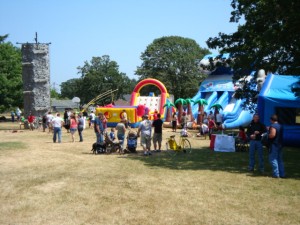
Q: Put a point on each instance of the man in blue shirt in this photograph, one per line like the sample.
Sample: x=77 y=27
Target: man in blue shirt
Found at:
x=275 y=154
x=98 y=127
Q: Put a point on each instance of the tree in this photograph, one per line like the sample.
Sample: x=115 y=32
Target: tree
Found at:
x=70 y=88
x=173 y=61
x=269 y=39
x=54 y=93
x=11 y=87
x=98 y=76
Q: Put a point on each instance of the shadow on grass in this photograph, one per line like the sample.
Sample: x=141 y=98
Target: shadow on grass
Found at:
x=12 y=145
x=205 y=159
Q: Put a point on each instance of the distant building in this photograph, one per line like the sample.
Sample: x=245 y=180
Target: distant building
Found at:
x=61 y=105
x=123 y=102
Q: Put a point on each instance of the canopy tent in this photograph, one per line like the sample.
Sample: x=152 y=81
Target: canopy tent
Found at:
x=280 y=95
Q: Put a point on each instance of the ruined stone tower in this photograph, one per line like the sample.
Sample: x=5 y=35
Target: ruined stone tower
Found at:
x=36 y=78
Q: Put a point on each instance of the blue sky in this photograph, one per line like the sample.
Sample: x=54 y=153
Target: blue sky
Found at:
x=122 y=29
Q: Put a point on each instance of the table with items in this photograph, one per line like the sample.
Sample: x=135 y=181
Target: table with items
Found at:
x=222 y=143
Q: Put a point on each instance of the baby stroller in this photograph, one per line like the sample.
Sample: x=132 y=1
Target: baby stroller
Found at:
x=131 y=142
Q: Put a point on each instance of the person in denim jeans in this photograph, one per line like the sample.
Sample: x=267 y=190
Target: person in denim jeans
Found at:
x=80 y=126
x=275 y=153
x=121 y=130
x=98 y=127
x=57 y=123
x=254 y=132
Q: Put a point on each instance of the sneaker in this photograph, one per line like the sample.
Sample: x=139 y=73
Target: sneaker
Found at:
x=149 y=153
x=145 y=154
x=250 y=170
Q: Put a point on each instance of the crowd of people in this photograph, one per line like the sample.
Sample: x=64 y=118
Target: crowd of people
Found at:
x=253 y=136
x=74 y=122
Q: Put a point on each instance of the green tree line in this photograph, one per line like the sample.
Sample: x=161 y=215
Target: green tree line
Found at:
x=269 y=39
x=11 y=87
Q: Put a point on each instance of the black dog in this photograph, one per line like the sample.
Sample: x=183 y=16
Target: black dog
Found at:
x=98 y=148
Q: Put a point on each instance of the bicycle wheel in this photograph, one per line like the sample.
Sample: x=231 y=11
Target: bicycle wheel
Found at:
x=187 y=148
x=170 y=151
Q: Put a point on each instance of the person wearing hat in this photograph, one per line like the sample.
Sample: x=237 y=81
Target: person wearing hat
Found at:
x=275 y=154
x=144 y=131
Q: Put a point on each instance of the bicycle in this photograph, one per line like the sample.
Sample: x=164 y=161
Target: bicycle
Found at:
x=172 y=147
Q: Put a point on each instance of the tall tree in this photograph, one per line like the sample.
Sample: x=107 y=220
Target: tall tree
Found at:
x=54 y=93
x=98 y=76
x=70 y=88
x=173 y=61
x=269 y=39
x=11 y=89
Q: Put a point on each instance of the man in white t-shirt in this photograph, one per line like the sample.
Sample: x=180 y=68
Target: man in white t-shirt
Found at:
x=219 y=119
x=57 y=123
x=92 y=118
x=145 y=129
x=203 y=130
x=49 y=120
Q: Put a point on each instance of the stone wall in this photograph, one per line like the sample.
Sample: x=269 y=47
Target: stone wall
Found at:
x=36 y=78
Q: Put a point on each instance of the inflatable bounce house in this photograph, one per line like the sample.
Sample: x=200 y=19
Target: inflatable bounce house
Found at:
x=218 y=88
x=278 y=94
x=139 y=105
x=281 y=95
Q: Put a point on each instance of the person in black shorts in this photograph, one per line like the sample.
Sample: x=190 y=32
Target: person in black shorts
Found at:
x=157 y=136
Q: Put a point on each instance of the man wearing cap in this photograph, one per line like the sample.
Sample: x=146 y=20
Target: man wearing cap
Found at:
x=145 y=129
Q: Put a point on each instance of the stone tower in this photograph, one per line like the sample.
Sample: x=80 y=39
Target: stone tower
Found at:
x=36 y=78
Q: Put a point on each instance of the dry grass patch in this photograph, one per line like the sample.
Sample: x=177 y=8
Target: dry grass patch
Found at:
x=46 y=183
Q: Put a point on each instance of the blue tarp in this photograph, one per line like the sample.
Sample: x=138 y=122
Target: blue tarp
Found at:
x=278 y=92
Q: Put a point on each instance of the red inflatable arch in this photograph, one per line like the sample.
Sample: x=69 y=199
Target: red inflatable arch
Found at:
x=150 y=81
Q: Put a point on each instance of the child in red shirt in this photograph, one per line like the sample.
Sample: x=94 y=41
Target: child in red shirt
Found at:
x=211 y=126
x=30 y=120
x=242 y=135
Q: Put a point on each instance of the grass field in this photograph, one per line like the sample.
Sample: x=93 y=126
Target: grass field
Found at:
x=46 y=183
